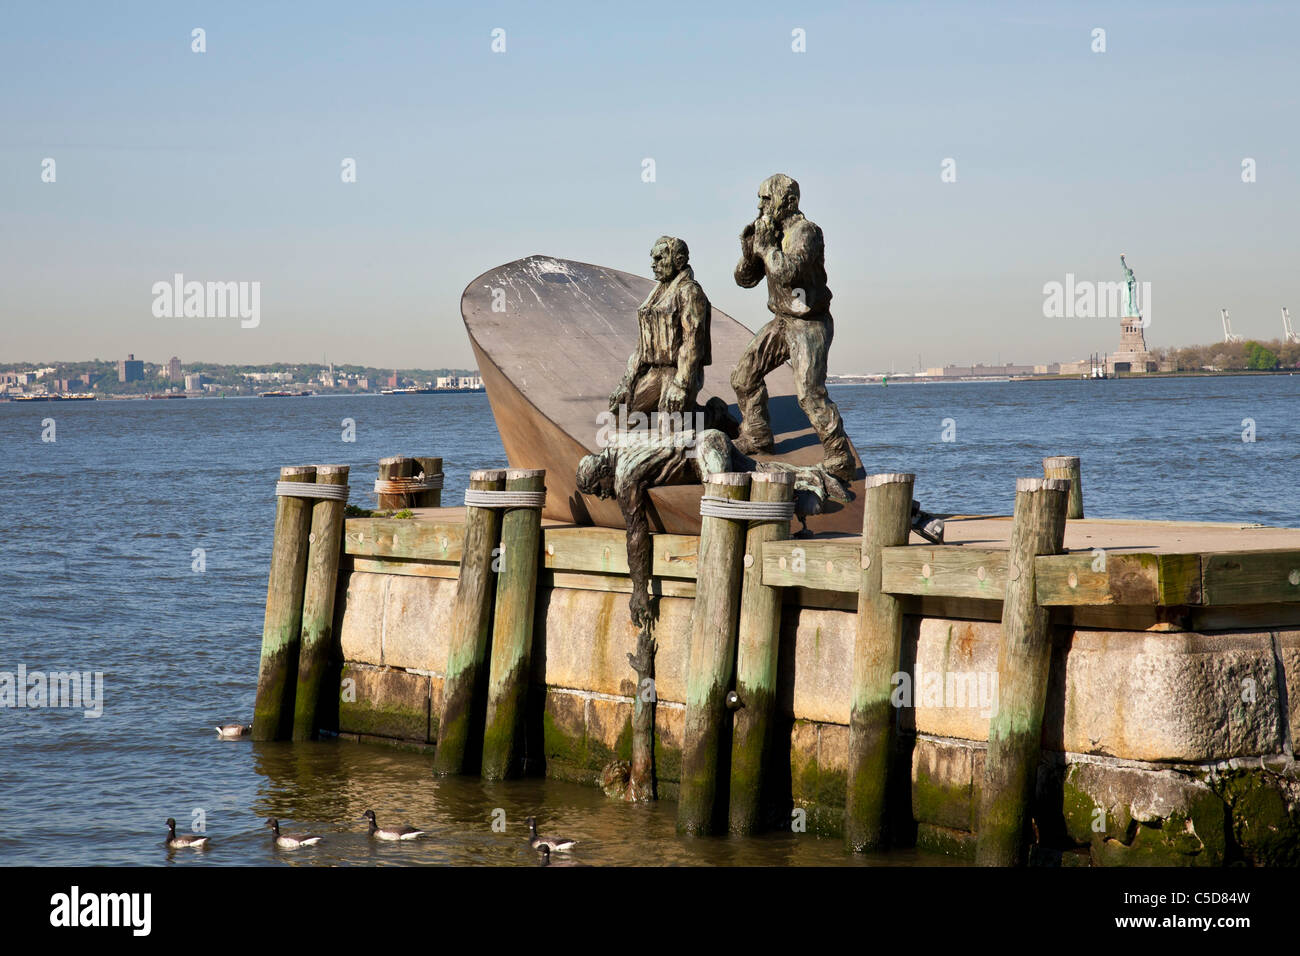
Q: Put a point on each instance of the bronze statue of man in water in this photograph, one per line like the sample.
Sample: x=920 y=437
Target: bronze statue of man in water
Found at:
x=787 y=248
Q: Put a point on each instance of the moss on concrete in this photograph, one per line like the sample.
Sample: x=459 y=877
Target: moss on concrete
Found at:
x=945 y=840
x=1265 y=831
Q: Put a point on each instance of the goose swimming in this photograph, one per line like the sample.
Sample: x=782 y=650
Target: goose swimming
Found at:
x=233 y=731
x=185 y=840
x=387 y=833
x=290 y=841
x=551 y=844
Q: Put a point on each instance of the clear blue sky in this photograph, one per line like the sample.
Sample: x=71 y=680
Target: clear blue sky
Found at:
x=225 y=165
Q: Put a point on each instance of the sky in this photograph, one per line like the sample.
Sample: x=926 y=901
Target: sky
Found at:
x=226 y=165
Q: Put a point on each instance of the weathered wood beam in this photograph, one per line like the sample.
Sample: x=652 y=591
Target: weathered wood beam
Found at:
x=604 y=550
x=1095 y=578
x=945 y=570
x=404 y=538
x=1250 y=577
x=830 y=565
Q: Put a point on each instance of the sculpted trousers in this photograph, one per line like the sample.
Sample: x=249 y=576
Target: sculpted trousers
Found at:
x=804 y=343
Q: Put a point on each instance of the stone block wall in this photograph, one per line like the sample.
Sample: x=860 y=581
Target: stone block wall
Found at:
x=1158 y=747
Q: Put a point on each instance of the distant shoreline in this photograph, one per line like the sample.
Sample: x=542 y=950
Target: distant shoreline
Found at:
x=1132 y=377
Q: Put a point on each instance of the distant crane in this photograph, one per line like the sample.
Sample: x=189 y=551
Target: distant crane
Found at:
x=1288 y=333
x=1228 y=335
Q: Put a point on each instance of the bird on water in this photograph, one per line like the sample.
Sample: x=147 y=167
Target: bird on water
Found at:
x=233 y=731
x=388 y=833
x=551 y=844
x=185 y=840
x=290 y=841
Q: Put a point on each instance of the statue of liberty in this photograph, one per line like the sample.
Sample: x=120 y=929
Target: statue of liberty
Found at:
x=1130 y=291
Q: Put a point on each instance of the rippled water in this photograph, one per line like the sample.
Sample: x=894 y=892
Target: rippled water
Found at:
x=98 y=530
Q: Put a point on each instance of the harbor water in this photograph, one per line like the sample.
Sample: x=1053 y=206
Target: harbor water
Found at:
x=136 y=545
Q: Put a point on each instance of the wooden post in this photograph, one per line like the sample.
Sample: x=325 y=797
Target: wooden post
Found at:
x=272 y=719
x=325 y=543
x=395 y=467
x=712 y=655
x=463 y=686
x=1024 y=655
x=430 y=467
x=756 y=656
x=886 y=522
x=1067 y=466
x=512 y=628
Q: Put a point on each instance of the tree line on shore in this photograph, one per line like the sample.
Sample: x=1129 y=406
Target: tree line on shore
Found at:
x=1249 y=355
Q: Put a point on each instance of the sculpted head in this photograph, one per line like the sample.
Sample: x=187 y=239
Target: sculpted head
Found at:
x=596 y=476
x=778 y=197
x=668 y=256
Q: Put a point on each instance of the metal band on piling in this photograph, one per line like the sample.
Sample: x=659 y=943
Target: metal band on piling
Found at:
x=715 y=507
x=408 y=486
x=505 y=499
x=302 y=489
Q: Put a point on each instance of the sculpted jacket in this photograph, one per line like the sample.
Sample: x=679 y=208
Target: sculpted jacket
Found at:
x=797 y=263
x=674 y=323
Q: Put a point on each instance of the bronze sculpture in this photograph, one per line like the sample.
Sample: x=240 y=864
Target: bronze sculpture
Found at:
x=788 y=249
x=666 y=371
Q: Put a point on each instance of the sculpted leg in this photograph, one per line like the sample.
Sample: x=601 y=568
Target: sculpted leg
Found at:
x=766 y=351
x=809 y=342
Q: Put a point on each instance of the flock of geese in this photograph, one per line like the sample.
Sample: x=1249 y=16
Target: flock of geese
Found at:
x=544 y=845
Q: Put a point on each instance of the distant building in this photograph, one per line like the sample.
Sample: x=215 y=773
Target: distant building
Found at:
x=174 y=370
x=979 y=371
x=363 y=383
x=194 y=382
x=392 y=380
x=129 y=369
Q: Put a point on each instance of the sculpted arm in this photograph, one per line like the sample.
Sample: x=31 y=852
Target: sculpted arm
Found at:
x=690 y=357
x=803 y=244
x=750 y=268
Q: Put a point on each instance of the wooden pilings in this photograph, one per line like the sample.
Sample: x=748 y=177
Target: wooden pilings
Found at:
x=325 y=543
x=1067 y=467
x=471 y=615
x=756 y=657
x=429 y=467
x=1024 y=656
x=273 y=710
x=512 y=628
x=712 y=655
x=886 y=522
x=389 y=468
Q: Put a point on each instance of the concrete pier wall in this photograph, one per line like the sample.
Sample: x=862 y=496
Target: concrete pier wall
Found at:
x=1159 y=747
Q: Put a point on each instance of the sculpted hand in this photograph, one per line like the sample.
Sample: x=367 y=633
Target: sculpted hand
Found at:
x=673 y=398
x=765 y=232
x=747 y=240
x=640 y=607
x=618 y=397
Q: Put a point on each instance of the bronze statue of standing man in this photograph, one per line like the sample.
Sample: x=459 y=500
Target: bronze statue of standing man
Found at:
x=788 y=249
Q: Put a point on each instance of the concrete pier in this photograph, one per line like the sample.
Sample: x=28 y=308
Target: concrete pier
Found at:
x=1172 y=706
